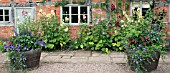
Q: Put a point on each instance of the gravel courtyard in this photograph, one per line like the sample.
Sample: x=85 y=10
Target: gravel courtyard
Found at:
x=91 y=68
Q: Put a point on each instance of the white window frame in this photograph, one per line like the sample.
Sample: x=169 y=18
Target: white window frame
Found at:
x=15 y=14
x=141 y=5
x=75 y=5
x=6 y=23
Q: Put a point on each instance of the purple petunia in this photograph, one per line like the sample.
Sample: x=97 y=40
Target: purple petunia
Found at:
x=12 y=47
x=18 y=48
x=42 y=43
x=139 y=46
x=6 y=47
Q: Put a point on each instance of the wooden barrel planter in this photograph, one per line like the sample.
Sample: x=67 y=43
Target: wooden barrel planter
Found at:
x=33 y=58
x=146 y=66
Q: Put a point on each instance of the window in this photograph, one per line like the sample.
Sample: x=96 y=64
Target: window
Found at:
x=5 y=15
x=19 y=17
x=75 y=14
x=143 y=5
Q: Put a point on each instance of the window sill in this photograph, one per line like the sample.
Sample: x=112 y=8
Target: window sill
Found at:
x=6 y=25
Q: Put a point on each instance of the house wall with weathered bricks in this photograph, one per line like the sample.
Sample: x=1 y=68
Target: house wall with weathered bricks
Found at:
x=7 y=31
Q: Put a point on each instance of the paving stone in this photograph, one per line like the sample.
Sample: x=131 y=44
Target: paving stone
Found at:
x=118 y=54
x=119 y=60
x=3 y=58
x=100 y=59
x=54 y=53
x=66 y=53
x=95 y=54
x=79 y=59
x=51 y=59
x=43 y=54
x=164 y=60
x=66 y=57
x=83 y=53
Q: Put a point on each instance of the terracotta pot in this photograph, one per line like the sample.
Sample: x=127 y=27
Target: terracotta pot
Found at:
x=33 y=58
x=146 y=66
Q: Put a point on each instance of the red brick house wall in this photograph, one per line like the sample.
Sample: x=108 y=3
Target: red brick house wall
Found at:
x=7 y=31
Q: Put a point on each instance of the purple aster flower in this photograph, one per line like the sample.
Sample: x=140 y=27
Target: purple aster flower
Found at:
x=6 y=47
x=18 y=48
x=140 y=59
x=139 y=46
x=42 y=43
x=12 y=47
x=25 y=48
x=156 y=49
x=133 y=49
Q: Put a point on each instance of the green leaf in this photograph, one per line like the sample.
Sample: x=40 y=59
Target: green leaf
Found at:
x=81 y=46
x=118 y=44
x=91 y=43
x=50 y=46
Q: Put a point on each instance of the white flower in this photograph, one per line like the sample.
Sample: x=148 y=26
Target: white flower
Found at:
x=66 y=29
x=29 y=14
x=138 y=9
x=40 y=10
x=84 y=16
x=48 y=15
x=18 y=17
x=124 y=12
x=122 y=21
x=124 y=25
x=62 y=24
x=102 y=18
x=66 y=19
x=52 y=12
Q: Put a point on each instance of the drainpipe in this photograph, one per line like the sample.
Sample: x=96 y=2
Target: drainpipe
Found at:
x=168 y=1
x=108 y=10
x=12 y=17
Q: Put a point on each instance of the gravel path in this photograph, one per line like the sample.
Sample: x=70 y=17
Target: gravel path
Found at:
x=92 y=68
x=88 y=68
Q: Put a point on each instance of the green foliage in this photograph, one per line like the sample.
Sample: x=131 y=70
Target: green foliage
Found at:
x=62 y=3
x=2 y=46
x=55 y=35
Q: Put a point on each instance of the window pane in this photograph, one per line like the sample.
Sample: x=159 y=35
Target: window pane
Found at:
x=6 y=18
x=144 y=10
x=66 y=18
x=6 y=12
x=74 y=18
x=65 y=10
x=83 y=18
x=1 y=18
x=1 y=12
x=83 y=10
x=74 y=10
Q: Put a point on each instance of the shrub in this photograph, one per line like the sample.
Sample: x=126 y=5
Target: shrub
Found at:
x=55 y=35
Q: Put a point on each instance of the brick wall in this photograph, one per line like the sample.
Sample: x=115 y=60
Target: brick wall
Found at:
x=6 y=31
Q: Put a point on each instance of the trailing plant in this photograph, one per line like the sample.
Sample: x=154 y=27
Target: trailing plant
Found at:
x=62 y=3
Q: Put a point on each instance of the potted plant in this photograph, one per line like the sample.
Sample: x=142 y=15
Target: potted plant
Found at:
x=144 y=40
x=24 y=49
